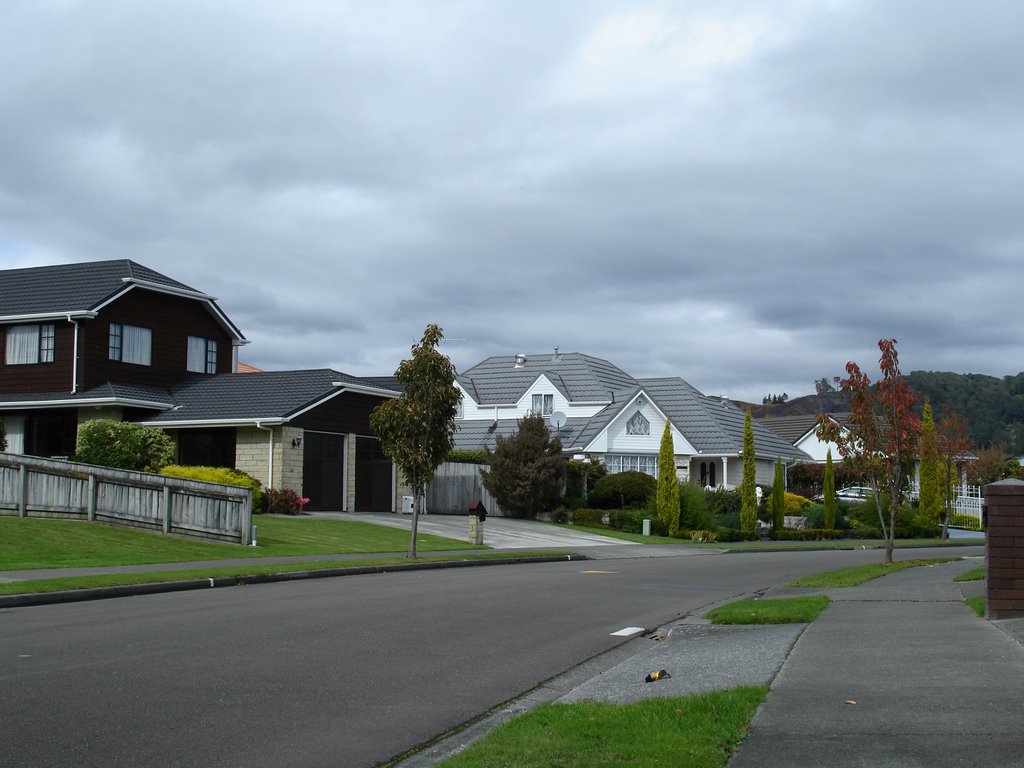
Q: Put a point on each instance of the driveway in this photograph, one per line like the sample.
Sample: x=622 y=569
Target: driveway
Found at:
x=499 y=532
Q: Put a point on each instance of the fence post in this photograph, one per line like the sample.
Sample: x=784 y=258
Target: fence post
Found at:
x=23 y=501
x=1004 y=549
x=167 y=509
x=93 y=489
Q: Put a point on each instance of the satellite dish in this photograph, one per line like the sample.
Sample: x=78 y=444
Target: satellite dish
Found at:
x=557 y=420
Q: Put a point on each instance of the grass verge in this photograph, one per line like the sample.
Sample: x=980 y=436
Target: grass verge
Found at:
x=851 y=577
x=63 y=583
x=30 y=543
x=786 y=610
x=692 y=731
x=978 y=604
x=975 y=574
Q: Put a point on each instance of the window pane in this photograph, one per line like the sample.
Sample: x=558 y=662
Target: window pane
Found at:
x=211 y=356
x=22 y=345
x=115 y=341
x=196 y=354
x=46 y=344
x=549 y=404
x=136 y=344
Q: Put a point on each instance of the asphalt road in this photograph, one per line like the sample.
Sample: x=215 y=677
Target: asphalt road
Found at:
x=333 y=672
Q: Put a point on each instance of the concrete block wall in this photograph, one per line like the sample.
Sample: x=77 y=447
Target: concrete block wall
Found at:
x=1004 y=549
x=252 y=454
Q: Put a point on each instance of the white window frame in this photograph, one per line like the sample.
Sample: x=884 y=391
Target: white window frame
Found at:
x=29 y=344
x=622 y=462
x=542 y=404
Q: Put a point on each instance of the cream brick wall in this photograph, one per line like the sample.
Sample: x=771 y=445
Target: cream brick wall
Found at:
x=291 y=460
x=350 y=472
x=252 y=454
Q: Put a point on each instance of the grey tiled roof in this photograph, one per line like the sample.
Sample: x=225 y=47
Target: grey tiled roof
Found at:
x=71 y=287
x=250 y=396
x=712 y=425
x=108 y=391
x=792 y=428
x=474 y=435
x=581 y=378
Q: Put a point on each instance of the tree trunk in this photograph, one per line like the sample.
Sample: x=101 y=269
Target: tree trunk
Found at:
x=416 y=501
x=890 y=536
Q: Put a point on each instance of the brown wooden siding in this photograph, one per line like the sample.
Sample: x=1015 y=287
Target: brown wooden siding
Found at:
x=348 y=412
x=172 y=319
x=41 y=377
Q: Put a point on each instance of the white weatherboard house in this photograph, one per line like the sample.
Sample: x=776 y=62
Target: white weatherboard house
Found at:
x=600 y=412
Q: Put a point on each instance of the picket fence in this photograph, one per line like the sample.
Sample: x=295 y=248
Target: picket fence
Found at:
x=967 y=501
x=34 y=487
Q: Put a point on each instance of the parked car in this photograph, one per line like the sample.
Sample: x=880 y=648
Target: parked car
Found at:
x=854 y=493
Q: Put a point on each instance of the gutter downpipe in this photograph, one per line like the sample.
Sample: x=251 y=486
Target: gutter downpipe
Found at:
x=74 y=359
x=270 y=454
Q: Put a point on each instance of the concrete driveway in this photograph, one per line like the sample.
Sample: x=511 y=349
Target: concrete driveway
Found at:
x=499 y=532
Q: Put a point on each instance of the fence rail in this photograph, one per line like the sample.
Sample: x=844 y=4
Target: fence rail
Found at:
x=33 y=487
x=454 y=485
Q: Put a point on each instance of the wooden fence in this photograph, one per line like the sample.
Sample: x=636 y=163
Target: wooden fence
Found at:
x=32 y=487
x=454 y=485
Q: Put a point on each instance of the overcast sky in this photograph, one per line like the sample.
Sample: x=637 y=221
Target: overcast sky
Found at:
x=744 y=194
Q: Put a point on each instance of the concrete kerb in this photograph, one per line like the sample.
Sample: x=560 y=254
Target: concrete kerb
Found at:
x=184 y=585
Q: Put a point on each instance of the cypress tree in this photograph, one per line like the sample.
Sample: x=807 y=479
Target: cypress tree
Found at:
x=930 y=490
x=778 y=498
x=829 y=492
x=668 y=483
x=748 y=492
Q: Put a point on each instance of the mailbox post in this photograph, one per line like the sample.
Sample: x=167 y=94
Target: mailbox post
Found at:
x=477 y=515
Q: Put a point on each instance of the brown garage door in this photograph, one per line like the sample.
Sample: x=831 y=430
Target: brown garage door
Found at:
x=373 y=477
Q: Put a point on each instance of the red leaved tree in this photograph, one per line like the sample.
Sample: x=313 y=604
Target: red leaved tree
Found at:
x=880 y=437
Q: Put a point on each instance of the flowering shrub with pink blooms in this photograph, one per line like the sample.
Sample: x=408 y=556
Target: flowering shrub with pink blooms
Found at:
x=284 y=501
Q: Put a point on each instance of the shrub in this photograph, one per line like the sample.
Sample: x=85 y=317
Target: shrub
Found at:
x=735 y=534
x=3 y=437
x=223 y=475
x=965 y=521
x=694 y=514
x=815 y=515
x=623 y=489
x=124 y=445
x=703 y=537
x=806 y=534
x=527 y=471
x=284 y=501
x=588 y=516
x=722 y=501
x=580 y=477
x=795 y=504
x=468 y=456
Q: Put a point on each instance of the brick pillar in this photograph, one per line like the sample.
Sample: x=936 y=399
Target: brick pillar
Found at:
x=476 y=530
x=1004 y=549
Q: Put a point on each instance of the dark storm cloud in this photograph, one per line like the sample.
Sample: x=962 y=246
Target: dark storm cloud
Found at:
x=747 y=194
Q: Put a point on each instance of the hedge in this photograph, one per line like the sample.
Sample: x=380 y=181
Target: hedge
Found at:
x=222 y=475
x=807 y=534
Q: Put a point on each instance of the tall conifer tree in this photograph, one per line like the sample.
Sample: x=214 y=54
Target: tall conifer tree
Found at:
x=748 y=487
x=668 y=483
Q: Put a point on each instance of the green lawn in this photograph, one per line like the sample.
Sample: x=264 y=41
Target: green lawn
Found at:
x=687 y=732
x=787 y=610
x=975 y=574
x=978 y=604
x=851 y=577
x=29 y=543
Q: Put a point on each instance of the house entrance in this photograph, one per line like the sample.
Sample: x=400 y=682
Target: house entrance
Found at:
x=323 y=471
x=373 y=477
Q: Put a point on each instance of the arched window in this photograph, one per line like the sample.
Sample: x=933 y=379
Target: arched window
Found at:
x=638 y=425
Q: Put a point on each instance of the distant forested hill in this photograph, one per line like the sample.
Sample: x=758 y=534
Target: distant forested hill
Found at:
x=993 y=407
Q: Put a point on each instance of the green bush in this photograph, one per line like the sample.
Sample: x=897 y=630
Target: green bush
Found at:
x=622 y=490
x=124 y=445
x=468 y=456
x=795 y=504
x=593 y=518
x=722 y=501
x=965 y=521
x=580 y=478
x=694 y=513
x=807 y=534
x=625 y=520
x=284 y=501
x=815 y=515
x=223 y=475
x=735 y=534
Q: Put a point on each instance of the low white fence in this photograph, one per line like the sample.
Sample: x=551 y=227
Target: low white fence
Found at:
x=32 y=487
x=967 y=501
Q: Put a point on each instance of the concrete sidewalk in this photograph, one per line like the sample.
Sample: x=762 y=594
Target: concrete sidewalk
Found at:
x=896 y=672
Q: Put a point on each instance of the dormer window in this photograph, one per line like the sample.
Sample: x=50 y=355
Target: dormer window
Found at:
x=130 y=344
x=542 y=405
x=459 y=409
x=202 y=355
x=638 y=425
x=29 y=344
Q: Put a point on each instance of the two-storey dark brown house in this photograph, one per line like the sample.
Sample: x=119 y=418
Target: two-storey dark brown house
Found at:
x=115 y=339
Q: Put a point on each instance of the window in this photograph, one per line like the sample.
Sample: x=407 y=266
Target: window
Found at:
x=638 y=425
x=29 y=344
x=130 y=344
x=620 y=463
x=459 y=410
x=202 y=355
x=542 y=405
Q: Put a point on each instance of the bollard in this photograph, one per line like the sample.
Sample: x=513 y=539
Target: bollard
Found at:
x=647 y=527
